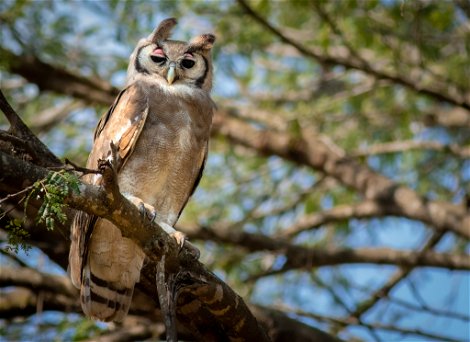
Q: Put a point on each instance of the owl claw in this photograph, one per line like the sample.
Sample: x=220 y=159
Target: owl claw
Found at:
x=146 y=210
x=182 y=241
x=180 y=238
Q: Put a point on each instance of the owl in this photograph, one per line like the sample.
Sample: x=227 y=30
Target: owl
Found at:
x=160 y=124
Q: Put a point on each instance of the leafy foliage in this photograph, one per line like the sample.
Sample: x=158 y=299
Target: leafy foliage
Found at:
x=53 y=190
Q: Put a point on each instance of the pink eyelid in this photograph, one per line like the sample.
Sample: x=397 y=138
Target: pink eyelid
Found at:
x=158 y=52
x=188 y=56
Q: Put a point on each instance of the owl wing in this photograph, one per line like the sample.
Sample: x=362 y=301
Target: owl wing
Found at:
x=122 y=124
x=201 y=165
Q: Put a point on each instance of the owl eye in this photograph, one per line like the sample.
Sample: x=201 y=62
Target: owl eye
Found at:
x=158 y=59
x=187 y=63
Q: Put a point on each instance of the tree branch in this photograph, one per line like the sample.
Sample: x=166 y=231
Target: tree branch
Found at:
x=36 y=281
x=305 y=257
x=441 y=94
x=48 y=77
x=314 y=152
x=409 y=145
x=374 y=325
x=364 y=209
x=209 y=290
x=22 y=302
x=396 y=278
x=43 y=156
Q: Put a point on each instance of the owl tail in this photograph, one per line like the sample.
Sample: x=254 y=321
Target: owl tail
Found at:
x=110 y=272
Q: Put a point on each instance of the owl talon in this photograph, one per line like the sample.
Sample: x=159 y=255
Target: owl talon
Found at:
x=148 y=212
x=180 y=238
x=182 y=241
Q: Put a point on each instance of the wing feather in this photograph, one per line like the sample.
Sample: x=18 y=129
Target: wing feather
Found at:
x=202 y=164
x=122 y=124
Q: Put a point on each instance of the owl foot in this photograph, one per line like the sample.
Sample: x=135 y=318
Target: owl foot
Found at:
x=180 y=238
x=147 y=211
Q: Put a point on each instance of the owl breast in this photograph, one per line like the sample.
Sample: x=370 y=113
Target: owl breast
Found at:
x=169 y=154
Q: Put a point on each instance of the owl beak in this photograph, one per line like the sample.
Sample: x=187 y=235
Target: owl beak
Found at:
x=170 y=76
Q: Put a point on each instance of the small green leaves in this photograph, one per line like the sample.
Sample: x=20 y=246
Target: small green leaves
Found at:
x=16 y=236
x=54 y=189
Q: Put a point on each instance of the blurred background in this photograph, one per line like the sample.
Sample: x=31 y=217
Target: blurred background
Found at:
x=337 y=187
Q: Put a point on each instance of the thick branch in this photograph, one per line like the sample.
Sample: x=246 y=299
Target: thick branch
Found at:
x=43 y=156
x=36 y=281
x=237 y=323
x=48 y=77
x=22 y=302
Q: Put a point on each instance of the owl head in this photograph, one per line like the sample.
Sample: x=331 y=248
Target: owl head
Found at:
x=172 y=62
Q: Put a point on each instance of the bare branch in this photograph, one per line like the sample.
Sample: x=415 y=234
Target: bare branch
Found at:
x=304 y=257
x=49 y=77
x=396 y=278
x=48 y=118
x=409 y=145
x=22 y=302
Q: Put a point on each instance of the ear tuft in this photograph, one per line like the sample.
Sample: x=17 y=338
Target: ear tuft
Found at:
x=202 y=42
x=163 y=31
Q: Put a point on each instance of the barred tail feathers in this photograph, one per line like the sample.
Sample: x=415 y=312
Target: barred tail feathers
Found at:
x=110 y=273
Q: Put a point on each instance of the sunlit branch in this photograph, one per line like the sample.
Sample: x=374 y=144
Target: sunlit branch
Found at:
x=22 y=302
x=366 y=209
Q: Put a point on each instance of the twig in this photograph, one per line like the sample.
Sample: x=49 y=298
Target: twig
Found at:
x=81 y=169
x=10 y=196
x=396 y=278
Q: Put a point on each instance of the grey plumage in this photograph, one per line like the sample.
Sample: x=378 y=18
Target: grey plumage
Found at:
x=161 y=124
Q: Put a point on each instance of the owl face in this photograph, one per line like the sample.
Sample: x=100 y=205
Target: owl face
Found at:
x=172 y=62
